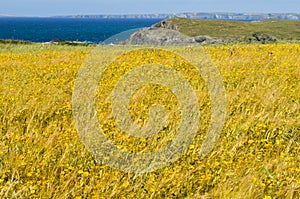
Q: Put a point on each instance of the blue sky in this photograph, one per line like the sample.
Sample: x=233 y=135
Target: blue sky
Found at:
x=70 y=7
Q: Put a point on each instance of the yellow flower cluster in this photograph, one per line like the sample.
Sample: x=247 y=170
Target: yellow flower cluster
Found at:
x=41 y=155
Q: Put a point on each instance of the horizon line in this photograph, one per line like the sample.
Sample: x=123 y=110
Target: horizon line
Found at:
x=133 y=14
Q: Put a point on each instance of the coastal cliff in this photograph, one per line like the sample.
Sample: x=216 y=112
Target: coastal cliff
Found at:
x=187 y=31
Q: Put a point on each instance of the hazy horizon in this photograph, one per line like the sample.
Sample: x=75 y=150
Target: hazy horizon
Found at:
x=47 y=8
x=95 y=14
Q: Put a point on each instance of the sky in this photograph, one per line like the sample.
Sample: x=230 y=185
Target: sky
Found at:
x=74 y=7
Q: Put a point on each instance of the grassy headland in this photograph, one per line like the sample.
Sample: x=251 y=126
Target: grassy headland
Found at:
x=281 y=29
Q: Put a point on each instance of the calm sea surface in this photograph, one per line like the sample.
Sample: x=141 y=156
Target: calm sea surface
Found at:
x=70 y=29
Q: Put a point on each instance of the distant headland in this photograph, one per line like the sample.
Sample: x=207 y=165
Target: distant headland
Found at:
x=198 y=15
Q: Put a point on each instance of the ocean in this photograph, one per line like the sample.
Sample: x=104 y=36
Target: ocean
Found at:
x=90 y=30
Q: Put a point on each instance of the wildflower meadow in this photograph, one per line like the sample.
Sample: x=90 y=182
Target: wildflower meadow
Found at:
x=256 y=156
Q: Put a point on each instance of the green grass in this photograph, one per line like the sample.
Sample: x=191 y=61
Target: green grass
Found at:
x=11 y=41
x=281 y=29
x=38 y=47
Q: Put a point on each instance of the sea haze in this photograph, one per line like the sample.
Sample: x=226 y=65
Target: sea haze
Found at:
x=93 y=30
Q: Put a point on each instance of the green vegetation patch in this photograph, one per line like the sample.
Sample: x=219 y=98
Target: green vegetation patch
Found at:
x=281 y=29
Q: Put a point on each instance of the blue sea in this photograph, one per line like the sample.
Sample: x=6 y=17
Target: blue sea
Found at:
x=91 y=30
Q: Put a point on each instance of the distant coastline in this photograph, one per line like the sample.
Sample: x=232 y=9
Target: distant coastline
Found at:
x=192 y=15
x=197 y=15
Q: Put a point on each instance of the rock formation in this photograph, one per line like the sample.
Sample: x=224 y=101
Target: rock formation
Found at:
x=160 y=36
x=261 y=37
x=166 y=25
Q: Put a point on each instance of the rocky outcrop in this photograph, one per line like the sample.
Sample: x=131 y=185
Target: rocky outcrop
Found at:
x=204 y=39
x=261 y=37
x=163 y=36
x=156 y=35
x=159 y=36
x=166 y=25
